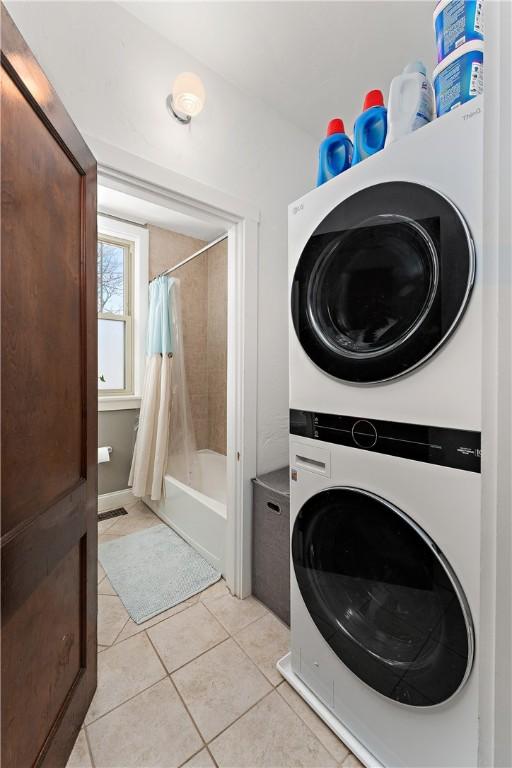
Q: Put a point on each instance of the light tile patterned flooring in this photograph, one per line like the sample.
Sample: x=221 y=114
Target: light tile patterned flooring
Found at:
x=196 y=686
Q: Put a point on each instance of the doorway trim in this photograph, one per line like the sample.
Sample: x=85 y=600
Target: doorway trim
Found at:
x=141 y=178
x=495 y=637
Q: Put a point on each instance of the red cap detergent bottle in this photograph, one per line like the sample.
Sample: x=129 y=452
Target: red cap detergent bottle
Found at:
x=335 y=153
x=370 y=127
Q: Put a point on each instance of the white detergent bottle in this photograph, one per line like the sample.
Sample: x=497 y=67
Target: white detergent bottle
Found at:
x=411 y=101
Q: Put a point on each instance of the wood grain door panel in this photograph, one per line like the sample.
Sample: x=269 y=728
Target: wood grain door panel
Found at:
x=49 y=416
x=42 y=653
x=41 y=314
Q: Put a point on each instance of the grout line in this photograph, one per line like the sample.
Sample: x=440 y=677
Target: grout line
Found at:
x=203 y=746
x=246 y=654
x=211 y=755
x=184 y=608
x=311 y=730
x=124 y=625
x=135 y=694
x=91 y=756
x=145 y=629
x=182 y=701
x=268 y=693
x=178 y=669
x=252 y=621
x=274 y=685
x=121 y=703
x=129 y=517
x=230 y=637
x=112 y=521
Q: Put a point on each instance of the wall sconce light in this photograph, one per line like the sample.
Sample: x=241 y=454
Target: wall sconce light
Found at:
x=187 y=97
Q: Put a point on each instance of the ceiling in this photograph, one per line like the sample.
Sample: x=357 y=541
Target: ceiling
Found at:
x=143 y=212
x=310 y=61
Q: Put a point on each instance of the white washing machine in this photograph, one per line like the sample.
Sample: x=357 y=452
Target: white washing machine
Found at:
x=385 y=587
x=385 y=397
x=384 y=271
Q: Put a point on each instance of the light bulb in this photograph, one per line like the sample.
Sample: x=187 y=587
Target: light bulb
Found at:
x=188 y=94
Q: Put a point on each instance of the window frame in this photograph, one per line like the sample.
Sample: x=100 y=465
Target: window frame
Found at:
x=126 y=316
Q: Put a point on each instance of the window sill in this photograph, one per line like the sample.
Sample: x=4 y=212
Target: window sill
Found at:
x=118 y=403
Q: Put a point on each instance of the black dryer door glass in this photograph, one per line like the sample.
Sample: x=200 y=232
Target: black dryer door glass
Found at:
x=383 y=596
x=382 y=282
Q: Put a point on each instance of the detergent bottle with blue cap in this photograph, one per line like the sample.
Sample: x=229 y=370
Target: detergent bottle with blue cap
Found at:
x=335 y=153
x=370 y=127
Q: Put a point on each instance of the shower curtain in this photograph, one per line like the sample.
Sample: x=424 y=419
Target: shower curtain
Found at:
x=165 y=426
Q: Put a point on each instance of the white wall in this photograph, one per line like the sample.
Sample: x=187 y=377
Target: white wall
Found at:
x=113 y=75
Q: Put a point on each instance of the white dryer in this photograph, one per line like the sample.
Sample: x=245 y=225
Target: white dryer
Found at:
x=385 y=398
x=384 y=273
x=385 y=541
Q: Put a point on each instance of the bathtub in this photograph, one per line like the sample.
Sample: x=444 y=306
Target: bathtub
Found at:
x=198 y=512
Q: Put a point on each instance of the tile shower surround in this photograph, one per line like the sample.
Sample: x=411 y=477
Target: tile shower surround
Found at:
x=204 y=305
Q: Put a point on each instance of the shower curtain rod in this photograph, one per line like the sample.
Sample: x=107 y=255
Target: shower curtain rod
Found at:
x=189 y=258
x=120 y=218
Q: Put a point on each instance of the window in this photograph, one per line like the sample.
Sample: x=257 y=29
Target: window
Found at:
x=115 y=368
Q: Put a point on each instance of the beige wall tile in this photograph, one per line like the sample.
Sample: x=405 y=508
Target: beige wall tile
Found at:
x=203 y=286
x=217 y=346
x=167 y=248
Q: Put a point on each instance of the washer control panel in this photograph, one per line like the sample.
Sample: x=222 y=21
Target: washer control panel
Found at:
x=457 y=448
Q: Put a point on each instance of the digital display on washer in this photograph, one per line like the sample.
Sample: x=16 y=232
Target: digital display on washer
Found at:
x=457 y=448
x=383 y=596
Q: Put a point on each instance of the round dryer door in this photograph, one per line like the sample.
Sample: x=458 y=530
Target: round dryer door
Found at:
x=383 y=596
x=382 y=282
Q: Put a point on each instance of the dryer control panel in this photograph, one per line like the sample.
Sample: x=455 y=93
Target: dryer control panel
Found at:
x=456 y=448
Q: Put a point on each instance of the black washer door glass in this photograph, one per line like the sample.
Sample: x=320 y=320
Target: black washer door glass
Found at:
x=382 y=292
x=382 y=282
x=383 y=596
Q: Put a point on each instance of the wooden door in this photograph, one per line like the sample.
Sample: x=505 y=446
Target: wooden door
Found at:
x=49 y=416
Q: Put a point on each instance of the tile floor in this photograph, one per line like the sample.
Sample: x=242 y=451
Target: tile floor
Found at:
x=196 y=686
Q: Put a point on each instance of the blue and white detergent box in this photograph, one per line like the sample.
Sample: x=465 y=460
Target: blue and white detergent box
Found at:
x=457 y=22
x=459 y=78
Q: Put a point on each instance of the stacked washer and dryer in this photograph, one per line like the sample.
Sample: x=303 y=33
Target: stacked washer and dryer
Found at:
x=385 y=418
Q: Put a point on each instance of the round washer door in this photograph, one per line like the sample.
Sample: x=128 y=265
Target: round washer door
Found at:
x=382 y=282
x=383 y=596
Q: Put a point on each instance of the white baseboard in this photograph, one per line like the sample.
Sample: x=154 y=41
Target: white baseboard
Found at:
x=108 y=501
